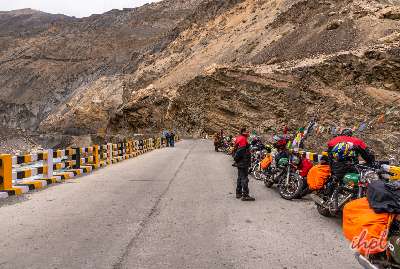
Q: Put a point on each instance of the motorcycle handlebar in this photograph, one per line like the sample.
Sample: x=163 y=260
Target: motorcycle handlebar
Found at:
x=380 y=163
x=374 y=165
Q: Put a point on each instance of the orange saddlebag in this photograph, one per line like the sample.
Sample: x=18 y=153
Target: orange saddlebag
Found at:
x=366 y=229
x=266 y=162
x=317 y=176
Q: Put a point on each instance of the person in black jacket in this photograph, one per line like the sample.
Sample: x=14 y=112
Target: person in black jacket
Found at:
x=242 y=159
x=168 y=138
x=172 y=139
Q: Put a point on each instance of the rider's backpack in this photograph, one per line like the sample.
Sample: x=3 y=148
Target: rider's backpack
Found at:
x=366 y=229
x=342 y=151
x=266 y=162
x=317 y=176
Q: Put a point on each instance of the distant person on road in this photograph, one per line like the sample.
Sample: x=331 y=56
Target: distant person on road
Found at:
x=167 y=138
x=242 y=157
x=172 y=139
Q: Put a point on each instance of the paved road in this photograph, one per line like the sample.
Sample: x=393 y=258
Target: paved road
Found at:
x=172 y=208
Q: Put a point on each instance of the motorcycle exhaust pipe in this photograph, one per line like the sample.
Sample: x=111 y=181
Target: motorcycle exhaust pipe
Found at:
x=317 y=199
x=364 y=262
x=336 y=206
x=345 y=200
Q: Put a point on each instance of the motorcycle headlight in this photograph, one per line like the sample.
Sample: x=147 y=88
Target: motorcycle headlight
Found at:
x=283 y=162
x=295 y=160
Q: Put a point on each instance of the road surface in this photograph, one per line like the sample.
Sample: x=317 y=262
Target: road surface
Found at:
x=171 y=208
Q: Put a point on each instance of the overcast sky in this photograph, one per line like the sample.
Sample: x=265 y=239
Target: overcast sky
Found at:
x=77 y=8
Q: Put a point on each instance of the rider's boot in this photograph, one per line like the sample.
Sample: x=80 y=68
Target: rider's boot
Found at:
x=248 y=198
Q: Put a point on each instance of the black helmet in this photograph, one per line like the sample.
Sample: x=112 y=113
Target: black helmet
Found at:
x=347 y=132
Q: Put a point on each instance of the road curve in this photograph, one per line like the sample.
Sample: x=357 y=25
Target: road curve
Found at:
x=171 y=208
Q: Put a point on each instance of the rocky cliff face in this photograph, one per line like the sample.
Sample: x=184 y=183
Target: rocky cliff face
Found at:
x=199 y=66
x=261 y=64
x=58 y=57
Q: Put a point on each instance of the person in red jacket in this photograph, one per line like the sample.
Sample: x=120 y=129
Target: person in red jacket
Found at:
x=343 y=152
x=242 y=157
x=358 y=145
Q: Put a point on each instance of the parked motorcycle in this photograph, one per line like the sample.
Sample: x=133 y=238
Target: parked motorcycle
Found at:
x=378 y=252
x=217 y=144
x=258 y=153
x=337 y=192
x=225 y=147
x=285 y=175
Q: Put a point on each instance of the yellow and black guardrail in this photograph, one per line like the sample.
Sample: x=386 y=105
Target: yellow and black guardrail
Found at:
x=19 y=174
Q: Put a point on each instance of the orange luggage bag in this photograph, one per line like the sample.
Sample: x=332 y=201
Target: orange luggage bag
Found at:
x=266 y=162
x=317 y=176
x=366 y=229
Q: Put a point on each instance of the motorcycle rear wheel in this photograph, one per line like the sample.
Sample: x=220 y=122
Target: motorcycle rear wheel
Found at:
x=294 y=189
x=257 y=173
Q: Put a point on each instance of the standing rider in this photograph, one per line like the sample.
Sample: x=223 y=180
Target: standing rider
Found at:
x=242 y=157
x=343 y=152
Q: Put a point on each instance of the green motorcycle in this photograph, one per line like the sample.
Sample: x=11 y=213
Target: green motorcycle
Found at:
x=285 y=176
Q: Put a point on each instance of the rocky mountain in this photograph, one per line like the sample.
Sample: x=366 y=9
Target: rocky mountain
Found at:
x=27 y=22
x=199 y=66
x=43 y=68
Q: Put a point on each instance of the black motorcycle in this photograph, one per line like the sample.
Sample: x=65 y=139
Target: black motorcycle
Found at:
x=336 y=192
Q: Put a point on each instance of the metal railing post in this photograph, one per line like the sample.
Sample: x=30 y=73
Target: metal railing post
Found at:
x=5 y=172
x=49 y=162
x=96 y=157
